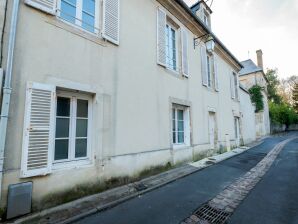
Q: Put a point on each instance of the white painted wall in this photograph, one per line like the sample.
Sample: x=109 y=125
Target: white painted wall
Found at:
x=247 y=121
x=133 y=96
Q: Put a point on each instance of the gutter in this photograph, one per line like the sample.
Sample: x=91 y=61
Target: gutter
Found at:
x=207 y=30
x=7 y=89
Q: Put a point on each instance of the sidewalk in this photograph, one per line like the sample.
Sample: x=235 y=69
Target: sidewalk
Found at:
x=77 y=209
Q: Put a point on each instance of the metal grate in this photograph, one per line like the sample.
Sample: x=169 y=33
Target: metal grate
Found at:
x=212 y=215
x=140 y=187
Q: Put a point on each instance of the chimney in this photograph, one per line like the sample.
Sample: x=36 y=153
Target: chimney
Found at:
x=260 y=58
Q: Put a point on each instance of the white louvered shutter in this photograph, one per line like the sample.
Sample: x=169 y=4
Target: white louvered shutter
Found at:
x=38 y=130
x=161 y=37
x=185 y=65
x=204 y=65
x=111 y=21
x=232 y=86
x=216 y=82
x=48 y=6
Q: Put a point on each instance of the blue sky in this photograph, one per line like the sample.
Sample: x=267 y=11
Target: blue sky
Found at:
x=245 y=26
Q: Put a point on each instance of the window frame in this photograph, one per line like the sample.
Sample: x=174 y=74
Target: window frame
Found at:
x=79 y=13
x=186 y=125
x=209 y=62
x=236 y=87
x=170 y=26
x=71 y=160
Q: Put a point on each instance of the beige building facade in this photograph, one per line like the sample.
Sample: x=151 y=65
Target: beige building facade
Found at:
x=108 y=90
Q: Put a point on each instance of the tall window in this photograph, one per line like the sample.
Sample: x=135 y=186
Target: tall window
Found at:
x=72 y=122
x=236 y=85
x=171 y=47
x=209 y=70
x=178 y=126
x=80 y=12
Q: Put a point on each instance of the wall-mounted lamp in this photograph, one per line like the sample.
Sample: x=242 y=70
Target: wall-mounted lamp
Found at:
x=208 y=40
x=210 y=44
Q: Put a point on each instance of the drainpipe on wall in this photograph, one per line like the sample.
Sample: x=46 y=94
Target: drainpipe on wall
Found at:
x=7 y=86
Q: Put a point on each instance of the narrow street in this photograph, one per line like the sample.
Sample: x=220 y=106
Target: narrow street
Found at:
x=273 y=200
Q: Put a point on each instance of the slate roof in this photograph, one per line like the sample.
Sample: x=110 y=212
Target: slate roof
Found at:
x=249 y=67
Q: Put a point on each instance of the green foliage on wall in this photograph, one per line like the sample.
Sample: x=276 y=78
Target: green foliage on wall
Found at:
x=257 y=97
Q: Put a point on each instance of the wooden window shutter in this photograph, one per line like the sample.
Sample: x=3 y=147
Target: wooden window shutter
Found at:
x=185 y=65
x=216 y=82
x=204 y=65
x=38 y=134
x=48 y=6
x=161 y=37
x=111 y=21
x=232 y=84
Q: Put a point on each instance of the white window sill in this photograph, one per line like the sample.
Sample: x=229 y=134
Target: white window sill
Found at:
x=67 y=26
x=180 y=146
x=75 y=164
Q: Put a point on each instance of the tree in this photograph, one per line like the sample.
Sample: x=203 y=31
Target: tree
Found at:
x=295 y=97
x=286 y=87
x=272 y=87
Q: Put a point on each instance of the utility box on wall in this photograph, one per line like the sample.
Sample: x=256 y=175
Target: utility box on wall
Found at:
x=19 y=199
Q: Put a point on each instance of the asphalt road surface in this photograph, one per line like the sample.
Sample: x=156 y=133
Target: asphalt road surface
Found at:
x=273 y=200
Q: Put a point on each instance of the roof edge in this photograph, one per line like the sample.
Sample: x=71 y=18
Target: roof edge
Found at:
x=206 y=29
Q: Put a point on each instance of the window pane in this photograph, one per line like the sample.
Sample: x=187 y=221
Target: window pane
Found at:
x=88 y=22
x=180 y=115
x=63 y=107
x=68 y=10
x=89 y=6
x=81 y=129
x=180 y=126
x=61 y=149
x=81 y=148
x=62 y=127
x=180 y=137
x=174 y=137
x=174 y=125
x=82 y=108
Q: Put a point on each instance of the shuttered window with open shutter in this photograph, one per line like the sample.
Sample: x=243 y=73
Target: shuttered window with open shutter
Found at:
x=111 y=20
x=161 y=37
x=38 y=130
x=216 y=82
x=204 y=66
x=185 y=65
x=48 y=6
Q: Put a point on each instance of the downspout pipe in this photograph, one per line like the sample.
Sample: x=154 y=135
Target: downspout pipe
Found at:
x=7 y=88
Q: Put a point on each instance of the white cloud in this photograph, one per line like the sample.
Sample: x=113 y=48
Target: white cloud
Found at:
x=248 y=25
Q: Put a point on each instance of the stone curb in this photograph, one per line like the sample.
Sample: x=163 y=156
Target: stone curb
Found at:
x=190 y=169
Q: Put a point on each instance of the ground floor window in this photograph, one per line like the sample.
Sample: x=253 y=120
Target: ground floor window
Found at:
x=236 y=127
x=73 y=122
x=180 y=125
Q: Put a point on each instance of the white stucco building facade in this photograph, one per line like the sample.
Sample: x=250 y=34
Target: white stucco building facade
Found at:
x=113 y=90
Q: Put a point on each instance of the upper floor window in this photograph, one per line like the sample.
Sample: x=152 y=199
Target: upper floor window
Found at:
x=82 y=13
x=171 y=47
x=209 y=71
x=206 y=19
x=234 y=86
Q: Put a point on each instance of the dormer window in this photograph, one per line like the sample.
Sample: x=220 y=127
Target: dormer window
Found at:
x=206 y=18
